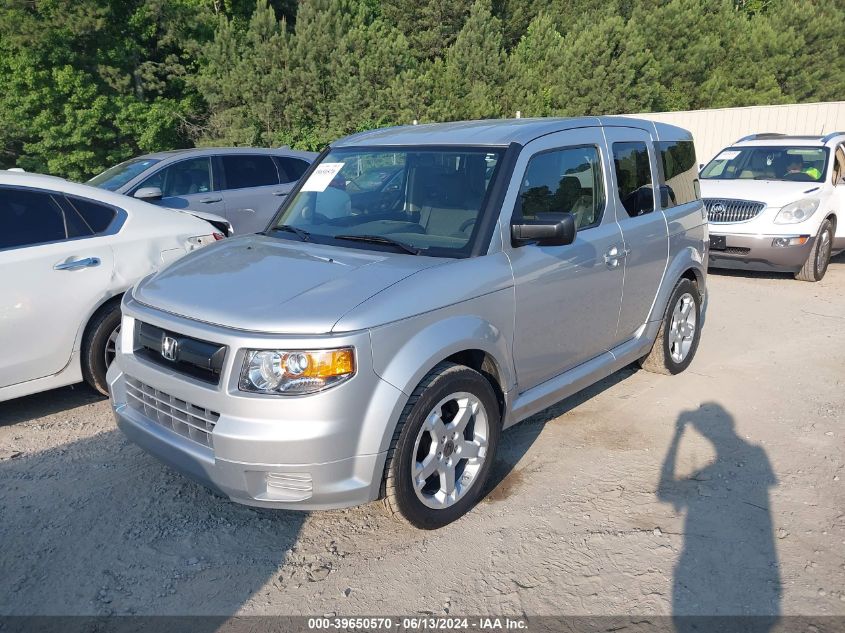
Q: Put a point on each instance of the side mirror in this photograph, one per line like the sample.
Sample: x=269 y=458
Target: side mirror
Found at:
x=700 y=167
x=550 y=229
x=148 y=193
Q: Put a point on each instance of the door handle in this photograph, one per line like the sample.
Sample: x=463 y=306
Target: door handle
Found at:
x=614 y=254
x=88 y=262
x=280 y=193
x=210 y=200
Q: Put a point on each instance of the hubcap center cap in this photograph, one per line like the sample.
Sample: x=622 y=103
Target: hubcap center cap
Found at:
x=448 y=448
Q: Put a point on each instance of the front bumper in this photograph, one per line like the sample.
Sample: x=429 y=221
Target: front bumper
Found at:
x=757 y=252
x=325 y=450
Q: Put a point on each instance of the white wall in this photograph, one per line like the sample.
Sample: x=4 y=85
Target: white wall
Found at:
x=716 y=129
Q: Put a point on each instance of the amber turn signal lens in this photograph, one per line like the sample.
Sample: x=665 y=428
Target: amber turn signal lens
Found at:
x=319 y=364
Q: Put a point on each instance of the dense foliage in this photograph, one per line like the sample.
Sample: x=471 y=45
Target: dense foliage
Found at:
x=87 y=83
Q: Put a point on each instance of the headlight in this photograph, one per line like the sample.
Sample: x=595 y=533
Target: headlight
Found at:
x=295 y=372
x=797 y=211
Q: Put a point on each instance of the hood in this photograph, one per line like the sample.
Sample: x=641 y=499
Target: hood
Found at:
x=273 y=285
x=773 y=193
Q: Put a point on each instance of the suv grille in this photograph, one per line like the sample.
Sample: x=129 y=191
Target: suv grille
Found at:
x=193 y=357
x=184 y=418
x=724 y=211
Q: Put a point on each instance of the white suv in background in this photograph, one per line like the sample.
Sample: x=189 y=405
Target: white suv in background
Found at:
x=777 y=202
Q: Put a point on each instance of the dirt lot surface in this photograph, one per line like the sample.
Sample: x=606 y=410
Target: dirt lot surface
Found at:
x=721 y=490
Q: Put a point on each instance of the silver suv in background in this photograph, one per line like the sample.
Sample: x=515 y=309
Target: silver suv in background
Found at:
x=246 y=185
x=378 y=349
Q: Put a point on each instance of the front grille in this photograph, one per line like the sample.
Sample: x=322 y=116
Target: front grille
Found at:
x=184 y=418
x=737 y=250
x=724 y=210
x=193 y=357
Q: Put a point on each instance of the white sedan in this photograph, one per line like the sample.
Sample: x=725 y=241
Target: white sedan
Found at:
x=68 y=252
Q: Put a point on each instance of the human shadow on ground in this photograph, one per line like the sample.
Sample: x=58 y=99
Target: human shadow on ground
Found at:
x=729 y=563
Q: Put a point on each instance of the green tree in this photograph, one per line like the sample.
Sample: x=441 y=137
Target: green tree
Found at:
x=533 y=70
x=429 y=25
x=466 y=83
x=93 y=82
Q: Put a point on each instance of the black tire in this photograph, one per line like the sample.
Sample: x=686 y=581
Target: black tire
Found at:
x=104 y=322
x=659 y=360
x=401 y=497
x=817 y=262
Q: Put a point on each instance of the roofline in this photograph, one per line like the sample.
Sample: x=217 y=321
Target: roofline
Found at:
x=763 y=136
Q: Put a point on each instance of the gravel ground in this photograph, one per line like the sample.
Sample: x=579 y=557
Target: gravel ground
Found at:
x=721 y=490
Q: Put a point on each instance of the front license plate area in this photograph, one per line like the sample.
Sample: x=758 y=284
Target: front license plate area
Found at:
x=717 y=243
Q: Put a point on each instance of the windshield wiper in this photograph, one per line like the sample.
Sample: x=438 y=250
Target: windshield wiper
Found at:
x=380 y=239
x=300 y=233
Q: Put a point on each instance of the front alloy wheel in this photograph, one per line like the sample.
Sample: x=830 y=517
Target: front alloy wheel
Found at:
x=450 y=450
x=443 y=447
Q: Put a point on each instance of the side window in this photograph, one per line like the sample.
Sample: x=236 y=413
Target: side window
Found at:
x=839 y=165
x=29 y=217
x=564 y=180
x=97 y=217
x=680 y=176
x=183 y=178
x=290 y=169
x=244 y=171
x=633 y=177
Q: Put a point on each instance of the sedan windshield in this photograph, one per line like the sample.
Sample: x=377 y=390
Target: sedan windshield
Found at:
x=799 y=164
x=115 y=177
x=410 y=200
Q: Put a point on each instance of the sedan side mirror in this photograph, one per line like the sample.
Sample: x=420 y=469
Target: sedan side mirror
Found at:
x=149 y=193
x=549 y=229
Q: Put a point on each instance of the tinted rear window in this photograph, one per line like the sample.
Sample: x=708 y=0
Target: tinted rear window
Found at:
x=244 y=171
x=633 y=177
x=680 y=175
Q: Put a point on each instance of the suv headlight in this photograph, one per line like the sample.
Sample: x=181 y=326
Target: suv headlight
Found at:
x=797 y=211
x=295 y=372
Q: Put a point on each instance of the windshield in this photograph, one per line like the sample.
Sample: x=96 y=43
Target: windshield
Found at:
x=115 y=177
x=799 y=164
x=420 y=200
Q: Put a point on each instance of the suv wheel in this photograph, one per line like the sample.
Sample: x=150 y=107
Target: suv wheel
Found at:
x=816 y=265
x=443 y=447
x=680 y=331
x=99 y=346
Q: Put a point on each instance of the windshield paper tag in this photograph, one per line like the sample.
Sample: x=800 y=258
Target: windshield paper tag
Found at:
x=728 y=155
x=322 y=176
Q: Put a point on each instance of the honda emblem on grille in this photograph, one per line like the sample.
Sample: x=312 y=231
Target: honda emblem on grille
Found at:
x=717 y=209
x=169 y=347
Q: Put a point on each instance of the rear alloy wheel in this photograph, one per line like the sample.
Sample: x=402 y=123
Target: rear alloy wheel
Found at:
x=443 y=447
x=679 y=334
x=817 y=262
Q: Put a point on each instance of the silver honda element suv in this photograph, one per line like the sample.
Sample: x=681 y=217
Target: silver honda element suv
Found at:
x=422 y=289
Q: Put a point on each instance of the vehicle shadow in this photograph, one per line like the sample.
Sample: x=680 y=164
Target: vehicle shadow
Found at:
x=47 y=403
x=516 y=440
x=729 y=563
x=166 y=546
x=836 y=260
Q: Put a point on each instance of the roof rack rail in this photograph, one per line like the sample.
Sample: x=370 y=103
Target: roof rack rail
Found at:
x=831 y=136
x=762 y=135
